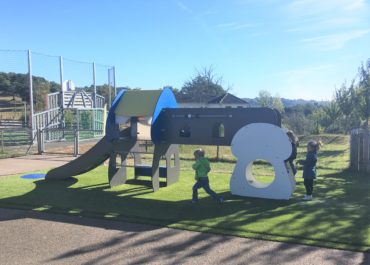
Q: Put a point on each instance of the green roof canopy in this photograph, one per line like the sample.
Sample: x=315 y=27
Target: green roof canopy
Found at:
x=136 y=103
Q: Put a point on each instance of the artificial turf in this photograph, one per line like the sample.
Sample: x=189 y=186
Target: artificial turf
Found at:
x=338 y=217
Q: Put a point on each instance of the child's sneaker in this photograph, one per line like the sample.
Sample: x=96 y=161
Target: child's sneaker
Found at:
x=307 y=197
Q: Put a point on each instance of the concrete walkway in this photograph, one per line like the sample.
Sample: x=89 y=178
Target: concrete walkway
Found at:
x=38 y=238
x=30 y=163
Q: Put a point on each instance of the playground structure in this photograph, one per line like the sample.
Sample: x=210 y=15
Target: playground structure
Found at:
x=68 y=115
x=252 y=133
x=50 y=125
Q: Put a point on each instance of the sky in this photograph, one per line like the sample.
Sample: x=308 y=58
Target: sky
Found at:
x=293 y=49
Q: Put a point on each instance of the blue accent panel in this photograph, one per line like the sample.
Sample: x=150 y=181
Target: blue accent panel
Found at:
x=166 y=100
x=111 y=128
x=33 y=176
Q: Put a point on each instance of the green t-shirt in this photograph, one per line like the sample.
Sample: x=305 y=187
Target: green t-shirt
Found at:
x=201 y=167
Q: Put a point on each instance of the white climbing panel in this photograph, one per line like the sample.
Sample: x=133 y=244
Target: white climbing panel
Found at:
x=261 y=141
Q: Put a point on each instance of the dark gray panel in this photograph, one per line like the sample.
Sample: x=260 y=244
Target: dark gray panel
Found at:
x=209 y=126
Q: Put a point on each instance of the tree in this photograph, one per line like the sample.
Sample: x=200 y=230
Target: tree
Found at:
x=319 y=119
x=333 y=113
x=345 y=98
x=354 y=101
x=201 y=88
x=265 y=99
x=363 y=93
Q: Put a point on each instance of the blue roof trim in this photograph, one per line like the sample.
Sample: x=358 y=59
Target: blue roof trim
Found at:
x=166 y=100
x=111 y=128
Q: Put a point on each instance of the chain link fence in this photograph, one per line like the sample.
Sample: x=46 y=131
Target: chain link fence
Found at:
x=26 y=80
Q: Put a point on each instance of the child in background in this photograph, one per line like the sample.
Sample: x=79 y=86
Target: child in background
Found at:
x=295 y=143
x=202 y=167
x=309 y=168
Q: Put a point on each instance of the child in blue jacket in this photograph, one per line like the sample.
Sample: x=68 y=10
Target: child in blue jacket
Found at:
x=309 y=168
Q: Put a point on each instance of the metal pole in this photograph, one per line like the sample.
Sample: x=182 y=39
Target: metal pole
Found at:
x=109 y=88
x=78 y=119
x=31 y=93
x=61 y=79
x=93 y=114
x=40 y=142
x=61 y=73
x=76 y=145
x=114 y=81
x=94 y=80
x=25 y=114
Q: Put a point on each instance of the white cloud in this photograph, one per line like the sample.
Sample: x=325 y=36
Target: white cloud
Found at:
x=207 y=13
x=327 y=25
x=184 y=7
x=334 y=41
x=234 y=26
x=326 y=15
x=317 y=8
x=310 y=82
x=299 y=73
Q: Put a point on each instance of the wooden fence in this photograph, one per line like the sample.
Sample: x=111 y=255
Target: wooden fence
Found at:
x=360 y=150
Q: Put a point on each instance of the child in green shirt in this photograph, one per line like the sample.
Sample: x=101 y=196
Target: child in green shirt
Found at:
x=202 y=167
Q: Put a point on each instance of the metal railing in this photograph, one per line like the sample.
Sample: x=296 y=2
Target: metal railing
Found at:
x=71 y=135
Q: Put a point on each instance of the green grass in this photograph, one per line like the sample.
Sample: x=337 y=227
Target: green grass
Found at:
x=338 y=217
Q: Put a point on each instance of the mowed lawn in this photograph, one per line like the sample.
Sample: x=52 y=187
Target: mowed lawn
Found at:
x=338 y=217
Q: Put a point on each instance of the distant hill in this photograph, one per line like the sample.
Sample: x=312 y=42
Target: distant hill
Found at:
x=288 y=102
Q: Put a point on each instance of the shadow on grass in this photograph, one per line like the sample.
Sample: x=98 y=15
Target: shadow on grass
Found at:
x=338 y=217
x=331 y=153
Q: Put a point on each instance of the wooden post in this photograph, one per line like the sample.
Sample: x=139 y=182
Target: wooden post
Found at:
x=366 y=163
x=361 y=152
x=357 y=152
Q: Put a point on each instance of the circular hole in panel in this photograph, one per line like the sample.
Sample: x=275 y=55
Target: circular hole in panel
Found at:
x=260 y=173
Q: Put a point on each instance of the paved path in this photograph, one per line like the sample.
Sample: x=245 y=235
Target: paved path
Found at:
x=58 y=154
x=30 y=163
x=38 y=238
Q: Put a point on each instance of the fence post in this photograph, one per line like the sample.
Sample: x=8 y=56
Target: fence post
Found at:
x=76 y=143
x=40 y=142
x=2 y=141
x=353 y=147
x=361 y=152
x=25 y=114
x=218 y=153
x=366 y=151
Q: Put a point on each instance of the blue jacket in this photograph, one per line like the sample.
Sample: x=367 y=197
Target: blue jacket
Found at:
x=309 y=168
